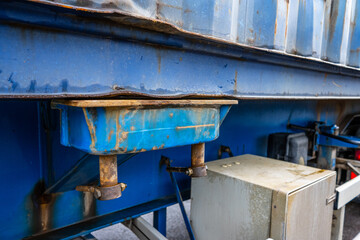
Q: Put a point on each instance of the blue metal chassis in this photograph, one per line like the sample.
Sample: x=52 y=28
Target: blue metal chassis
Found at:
x=48 y=53
x=30 y=157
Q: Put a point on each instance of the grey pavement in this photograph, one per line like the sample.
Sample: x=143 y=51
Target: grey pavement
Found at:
x=175 y=228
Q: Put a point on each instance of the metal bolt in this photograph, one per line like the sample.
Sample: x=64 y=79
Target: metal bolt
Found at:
x=189 y=172
x=123 y=186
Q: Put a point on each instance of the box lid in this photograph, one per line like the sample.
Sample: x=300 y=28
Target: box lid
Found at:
x=269 y=173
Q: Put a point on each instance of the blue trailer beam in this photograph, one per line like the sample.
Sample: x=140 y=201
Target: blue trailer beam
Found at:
x=93 y=224
x=48 y=50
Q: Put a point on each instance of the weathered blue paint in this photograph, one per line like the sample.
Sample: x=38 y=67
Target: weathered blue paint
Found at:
x=65 y=53
x=314 y=28
x=118 y=130
x=333 y=30
x=354 y=50
x=50 y=52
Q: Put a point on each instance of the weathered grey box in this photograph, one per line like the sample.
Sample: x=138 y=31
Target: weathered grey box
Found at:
x=251 y=197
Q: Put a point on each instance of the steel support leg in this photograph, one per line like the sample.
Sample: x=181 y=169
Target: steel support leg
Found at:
x=182 y=208
x=160 y=221
x=198 y=160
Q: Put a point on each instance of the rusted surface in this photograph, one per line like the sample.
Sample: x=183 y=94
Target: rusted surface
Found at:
x=108 y=170
x=104 y=193
x=198 y=155
x=198 y=160
x=109 y=187
x=89 y=205
x=42 y=209
x=91 y=128
x=111 y=192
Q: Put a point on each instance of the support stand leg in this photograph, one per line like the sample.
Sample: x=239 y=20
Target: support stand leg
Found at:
x=160 y=221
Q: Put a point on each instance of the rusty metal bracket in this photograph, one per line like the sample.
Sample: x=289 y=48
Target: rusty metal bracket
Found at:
x=109 y=187
x=104 y=193
x=187 y=171
x=190 y=171
x=224 y=149
x=198 y=160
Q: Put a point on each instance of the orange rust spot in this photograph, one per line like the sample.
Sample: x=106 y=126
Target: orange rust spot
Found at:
x=132 y=128
x=171 y=115
x=154 y=148
x=110 y=135
x=124 y=135
x=134 y=149
x=162 y=146
x=142 y=150
x=196 y=126
x=167 y=136
x=275 y=27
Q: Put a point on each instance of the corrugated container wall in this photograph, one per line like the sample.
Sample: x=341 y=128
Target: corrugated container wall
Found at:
x=322 y=29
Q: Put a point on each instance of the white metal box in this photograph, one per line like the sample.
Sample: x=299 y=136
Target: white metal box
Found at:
x=252 y=197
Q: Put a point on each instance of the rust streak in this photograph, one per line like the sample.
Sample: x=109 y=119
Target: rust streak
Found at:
x=91 y=128
x=196 y=126
x=110 y=135
x=169 y=6
x=337 y=85
x=334 y=12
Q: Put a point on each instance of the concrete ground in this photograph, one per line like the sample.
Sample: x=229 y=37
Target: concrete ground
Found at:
x=352 y=221
x=176 y=229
